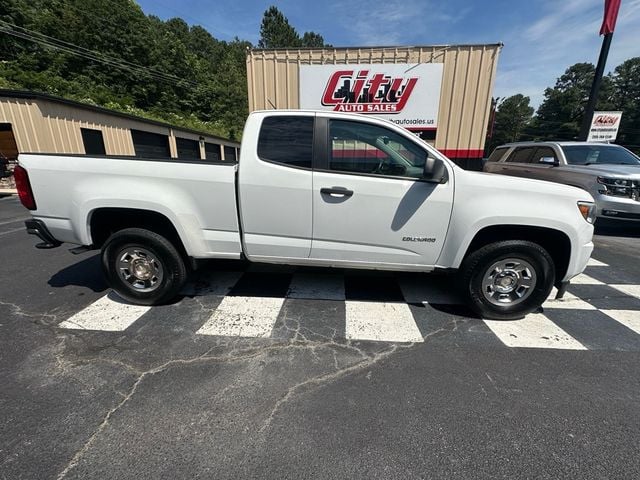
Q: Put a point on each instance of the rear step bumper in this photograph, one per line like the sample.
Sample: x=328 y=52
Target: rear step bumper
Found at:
x=38 y=228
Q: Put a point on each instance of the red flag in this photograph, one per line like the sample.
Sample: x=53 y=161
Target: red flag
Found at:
x=611 y=8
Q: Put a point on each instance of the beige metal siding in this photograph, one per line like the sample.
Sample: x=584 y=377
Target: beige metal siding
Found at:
x=46 y=126
x=465 y=96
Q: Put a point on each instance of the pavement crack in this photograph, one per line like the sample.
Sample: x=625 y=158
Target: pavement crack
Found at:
x=19 y=311
x=328 y=377
x=105 y=422
x=366 y=361
x=205 y=357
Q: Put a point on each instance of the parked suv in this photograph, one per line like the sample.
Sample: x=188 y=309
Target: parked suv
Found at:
x=610 y=173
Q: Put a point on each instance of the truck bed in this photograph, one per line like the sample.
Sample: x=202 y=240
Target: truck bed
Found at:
x=197 y=196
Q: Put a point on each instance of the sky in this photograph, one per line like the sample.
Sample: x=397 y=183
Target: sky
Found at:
x=541 y=37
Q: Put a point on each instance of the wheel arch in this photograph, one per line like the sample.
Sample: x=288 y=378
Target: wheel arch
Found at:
x=103 y=222
x=555 y=242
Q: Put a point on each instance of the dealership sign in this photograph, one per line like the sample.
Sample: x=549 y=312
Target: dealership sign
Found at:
x=604 y=126
x=406 y=94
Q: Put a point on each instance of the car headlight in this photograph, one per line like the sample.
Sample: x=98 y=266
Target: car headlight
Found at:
x=618 y=187
x=588 y=211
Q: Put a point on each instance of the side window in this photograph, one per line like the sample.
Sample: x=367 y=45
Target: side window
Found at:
x=497 y=154
x=287 y=140
x=368 y=149
x=521 y=155
x=543 y=152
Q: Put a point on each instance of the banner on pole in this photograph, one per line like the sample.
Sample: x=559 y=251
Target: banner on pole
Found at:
x=604 y=126
x=611 y=8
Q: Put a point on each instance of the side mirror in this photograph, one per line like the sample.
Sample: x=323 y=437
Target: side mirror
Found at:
x=549 y=161
x=434 y=170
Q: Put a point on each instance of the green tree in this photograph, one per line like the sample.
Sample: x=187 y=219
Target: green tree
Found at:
x=112 y=54
x=560 y=114
x=626 y=97
x=276 y=32
x=513 y=115
x=313 y=39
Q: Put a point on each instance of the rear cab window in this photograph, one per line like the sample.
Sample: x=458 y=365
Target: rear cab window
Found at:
x=287 y=139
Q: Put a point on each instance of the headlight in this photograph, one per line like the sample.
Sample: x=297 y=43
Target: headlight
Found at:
x=588 y=211
x=618 y=187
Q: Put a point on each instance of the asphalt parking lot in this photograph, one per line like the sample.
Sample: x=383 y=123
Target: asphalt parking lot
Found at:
x=265 y=372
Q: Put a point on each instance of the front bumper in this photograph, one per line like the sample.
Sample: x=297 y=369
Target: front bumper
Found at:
x=617 y=208
x=580 y=255
x=39 y=229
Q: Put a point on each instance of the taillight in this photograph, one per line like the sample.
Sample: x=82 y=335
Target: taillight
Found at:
x=24 y=188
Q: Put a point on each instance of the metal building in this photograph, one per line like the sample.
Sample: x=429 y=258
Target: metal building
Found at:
x=443 y=92
x=39 y=123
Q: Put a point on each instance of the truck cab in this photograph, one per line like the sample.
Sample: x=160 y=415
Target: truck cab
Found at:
x=327 y=188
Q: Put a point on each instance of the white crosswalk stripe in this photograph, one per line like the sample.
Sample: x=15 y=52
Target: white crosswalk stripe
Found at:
x=596 y=263
x=628 y=318
x=533 y=331
x=390 y=322
x=568 y=301
x=584 y=279
x=243 y=317
x=632 y=290
x=110 y=313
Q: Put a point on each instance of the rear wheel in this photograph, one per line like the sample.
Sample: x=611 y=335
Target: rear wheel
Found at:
x=143 y=267
x=506 y=280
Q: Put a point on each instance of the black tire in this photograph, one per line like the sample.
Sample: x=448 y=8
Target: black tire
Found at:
x=477 y=267
x=159 y=258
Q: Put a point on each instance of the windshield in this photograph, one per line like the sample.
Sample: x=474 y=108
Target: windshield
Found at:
x=599 y=155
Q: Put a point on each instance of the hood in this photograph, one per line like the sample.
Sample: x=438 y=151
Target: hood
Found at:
x=631 y=171
x=517 y=185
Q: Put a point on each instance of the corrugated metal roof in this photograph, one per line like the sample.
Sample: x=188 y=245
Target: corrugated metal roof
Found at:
x=30 y=95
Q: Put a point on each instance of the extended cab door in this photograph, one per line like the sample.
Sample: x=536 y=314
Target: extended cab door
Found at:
x=275 y=185
x=370 y=205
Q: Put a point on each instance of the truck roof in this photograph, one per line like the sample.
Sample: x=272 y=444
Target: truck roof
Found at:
x=554 y=142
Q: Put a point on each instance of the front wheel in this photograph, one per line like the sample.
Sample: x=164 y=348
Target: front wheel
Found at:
x=508 y=279
x=142 y=266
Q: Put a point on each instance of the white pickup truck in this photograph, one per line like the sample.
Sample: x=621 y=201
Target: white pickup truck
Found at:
x=314 y=188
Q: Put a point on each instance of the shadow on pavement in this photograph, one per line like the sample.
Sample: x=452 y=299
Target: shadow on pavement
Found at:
x=458 y=310
x=86 y=273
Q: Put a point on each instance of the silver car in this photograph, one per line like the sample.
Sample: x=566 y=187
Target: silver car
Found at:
x=610 y=173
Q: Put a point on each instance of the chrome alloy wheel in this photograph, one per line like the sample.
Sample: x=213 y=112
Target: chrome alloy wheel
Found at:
x=140 y=269
x=508 y=282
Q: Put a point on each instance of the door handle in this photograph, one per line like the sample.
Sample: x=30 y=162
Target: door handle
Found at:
x=336 y=191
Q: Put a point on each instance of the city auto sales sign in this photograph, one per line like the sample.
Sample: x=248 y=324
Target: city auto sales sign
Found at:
x=406 y=94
